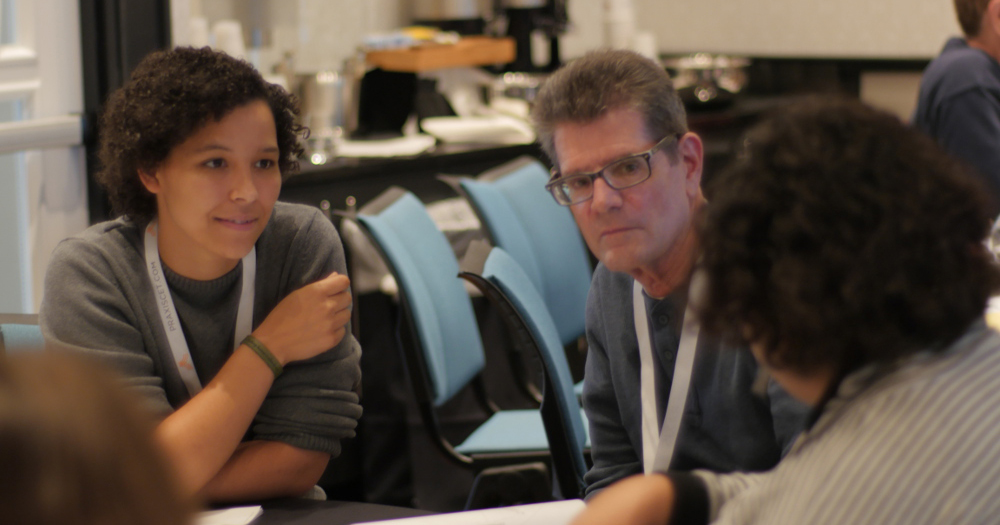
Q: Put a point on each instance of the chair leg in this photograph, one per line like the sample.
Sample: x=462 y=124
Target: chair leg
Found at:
x=510 y=485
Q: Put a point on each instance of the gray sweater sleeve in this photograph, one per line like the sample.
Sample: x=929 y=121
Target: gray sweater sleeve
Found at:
x=314 y=404
x=91 y=307
x=98 y=303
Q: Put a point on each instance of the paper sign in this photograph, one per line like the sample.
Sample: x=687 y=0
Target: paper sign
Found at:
x=552 y=513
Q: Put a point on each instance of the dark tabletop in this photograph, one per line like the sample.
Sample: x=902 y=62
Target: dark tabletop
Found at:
x=311 y=512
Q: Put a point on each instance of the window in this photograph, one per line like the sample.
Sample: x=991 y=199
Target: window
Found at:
x=42 y=176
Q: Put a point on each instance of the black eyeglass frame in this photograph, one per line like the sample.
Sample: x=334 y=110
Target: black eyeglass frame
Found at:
x=555 y=181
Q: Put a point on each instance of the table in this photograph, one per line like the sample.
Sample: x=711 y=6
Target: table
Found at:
x=312 y=512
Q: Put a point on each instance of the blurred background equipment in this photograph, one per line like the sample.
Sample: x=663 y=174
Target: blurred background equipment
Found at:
x=707 y=79
x=526 y=21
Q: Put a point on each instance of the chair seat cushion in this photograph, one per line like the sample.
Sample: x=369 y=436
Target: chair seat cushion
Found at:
x=16 y=338
x=511 y=431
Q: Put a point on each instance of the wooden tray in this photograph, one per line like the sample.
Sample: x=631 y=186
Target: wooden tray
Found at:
x=469 y=51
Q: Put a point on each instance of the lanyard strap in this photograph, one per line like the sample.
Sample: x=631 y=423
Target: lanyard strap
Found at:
x=168 y=313
x=658 y=450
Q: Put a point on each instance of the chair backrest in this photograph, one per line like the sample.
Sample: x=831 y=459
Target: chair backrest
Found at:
x=435 y=302
x=527 y=311
x=523 y=219
x=17 y=338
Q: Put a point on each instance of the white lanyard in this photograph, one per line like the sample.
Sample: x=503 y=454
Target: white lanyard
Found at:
x=658 y=450
x=168 y=313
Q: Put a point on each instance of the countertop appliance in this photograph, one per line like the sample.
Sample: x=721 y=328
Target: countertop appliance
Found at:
x=517 y=19
x=707 y=79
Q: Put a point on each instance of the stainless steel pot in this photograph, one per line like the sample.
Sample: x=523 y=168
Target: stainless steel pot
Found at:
x=330 y=106
x=522 y=86
x=704 y=78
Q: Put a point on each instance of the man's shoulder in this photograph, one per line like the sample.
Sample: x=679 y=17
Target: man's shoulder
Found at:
x=606 y=279
x=960 y=67
x=609 y=288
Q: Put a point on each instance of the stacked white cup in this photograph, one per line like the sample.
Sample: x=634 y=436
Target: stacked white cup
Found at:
x=228 y=36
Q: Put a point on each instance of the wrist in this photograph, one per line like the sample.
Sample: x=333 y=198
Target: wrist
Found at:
x=273 y=344
x=265 y=354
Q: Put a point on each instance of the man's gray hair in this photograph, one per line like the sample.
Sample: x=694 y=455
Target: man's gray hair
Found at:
x=603 y=80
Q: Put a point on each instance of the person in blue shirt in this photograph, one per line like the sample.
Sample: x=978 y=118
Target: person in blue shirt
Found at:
x=630 y=172
x=959 y=103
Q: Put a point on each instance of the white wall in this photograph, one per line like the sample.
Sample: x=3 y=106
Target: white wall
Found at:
x=332 y=29
x=800 y=28
x=43 y=196
x=324 y=32
x=320 y=34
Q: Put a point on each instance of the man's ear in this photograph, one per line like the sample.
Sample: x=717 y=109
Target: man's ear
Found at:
x=150 y=180
x=991 y=17
x=690 y=152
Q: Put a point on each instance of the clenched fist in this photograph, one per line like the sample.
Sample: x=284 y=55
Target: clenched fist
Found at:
x=308 y=321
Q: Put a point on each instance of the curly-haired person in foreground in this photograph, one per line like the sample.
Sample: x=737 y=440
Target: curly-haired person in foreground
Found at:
x=846 y=250
x=224 y=309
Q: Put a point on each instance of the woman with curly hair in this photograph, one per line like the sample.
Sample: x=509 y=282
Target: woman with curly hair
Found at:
x=846 y=250
x=225 y=309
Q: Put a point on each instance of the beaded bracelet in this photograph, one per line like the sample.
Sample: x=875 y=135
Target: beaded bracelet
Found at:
x=272 y=362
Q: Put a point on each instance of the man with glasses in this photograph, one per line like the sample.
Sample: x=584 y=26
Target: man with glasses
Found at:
x=630 y=172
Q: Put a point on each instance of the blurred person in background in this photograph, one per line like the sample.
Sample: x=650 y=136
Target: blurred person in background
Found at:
x=77 y=449
x=846 y=250
x=227 y=311
x=959 y=103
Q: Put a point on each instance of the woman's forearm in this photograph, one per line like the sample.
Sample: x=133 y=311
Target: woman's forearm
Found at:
x=202 y=435
x=263 y=470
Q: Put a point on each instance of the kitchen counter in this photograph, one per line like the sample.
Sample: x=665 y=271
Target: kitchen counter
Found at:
x=365 y=178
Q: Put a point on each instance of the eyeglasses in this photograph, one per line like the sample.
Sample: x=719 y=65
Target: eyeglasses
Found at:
x=620 y=174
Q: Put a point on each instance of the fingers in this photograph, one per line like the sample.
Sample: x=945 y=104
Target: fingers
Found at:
x=310 y=320
x=333 y=284
x=338 y=335
x=339 y=301
x=334 y=337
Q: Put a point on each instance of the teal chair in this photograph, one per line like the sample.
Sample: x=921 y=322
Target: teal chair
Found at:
x=505 y=283
x=519 y=216
x=440 y=338
x=19 y=333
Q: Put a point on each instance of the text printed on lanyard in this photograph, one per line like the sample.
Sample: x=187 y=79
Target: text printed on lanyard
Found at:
x=168 y=312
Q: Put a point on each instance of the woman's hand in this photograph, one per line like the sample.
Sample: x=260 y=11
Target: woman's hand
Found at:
x=309 y=321
x=203 y=433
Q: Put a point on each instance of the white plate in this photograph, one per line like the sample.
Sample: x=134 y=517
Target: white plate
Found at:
x=496 y=129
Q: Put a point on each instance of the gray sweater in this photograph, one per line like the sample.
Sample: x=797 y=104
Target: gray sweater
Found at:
x=98 y=301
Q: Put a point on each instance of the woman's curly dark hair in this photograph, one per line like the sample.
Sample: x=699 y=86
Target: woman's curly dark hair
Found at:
x=170 y=95
x=841 y=237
